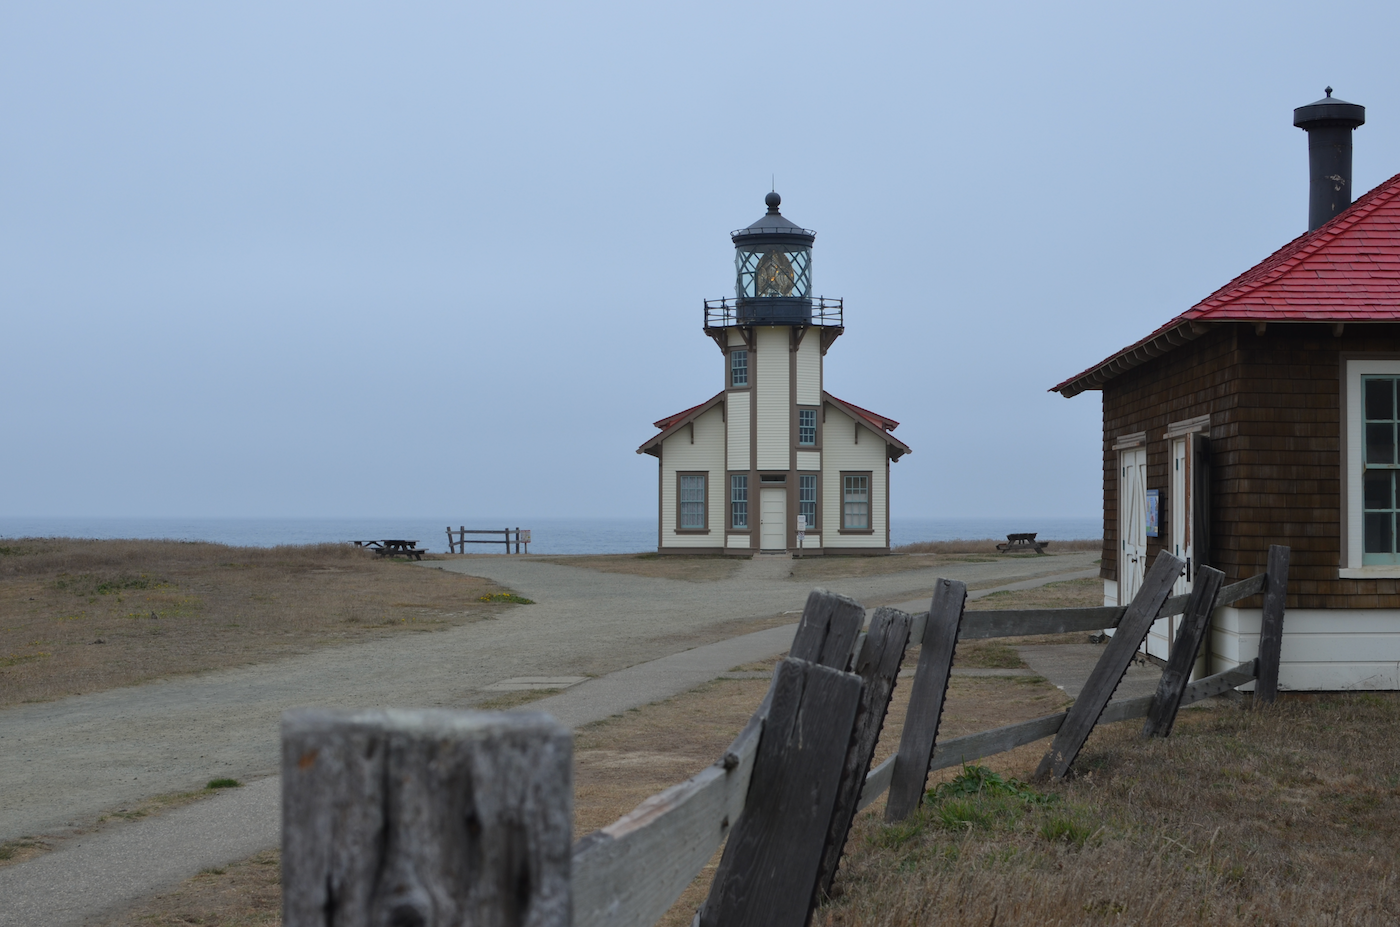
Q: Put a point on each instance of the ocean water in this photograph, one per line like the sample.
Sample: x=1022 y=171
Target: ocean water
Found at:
x=550 y=536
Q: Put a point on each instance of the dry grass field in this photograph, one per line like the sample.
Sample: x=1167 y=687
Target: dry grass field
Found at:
x=82 y=616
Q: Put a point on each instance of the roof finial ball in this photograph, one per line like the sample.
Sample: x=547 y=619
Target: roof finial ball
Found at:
x=773 y=201
x=1328 y=90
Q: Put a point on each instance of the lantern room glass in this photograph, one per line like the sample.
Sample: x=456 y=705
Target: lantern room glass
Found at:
x=781 y=271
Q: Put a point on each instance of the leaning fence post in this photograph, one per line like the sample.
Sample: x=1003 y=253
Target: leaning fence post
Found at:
x=425 y=818
x=1271 y=627
x=769 y=867
x=1113 y=663
x=926 y=698
x=877 y=665
x=1161 y=714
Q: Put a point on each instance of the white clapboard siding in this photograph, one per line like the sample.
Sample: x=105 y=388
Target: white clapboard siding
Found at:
x=1344 y=648
x=809 y=370
x=738 y=541
x=738 y=430
x=705 y=454
x=840 y=452
x=810 y=461
x=773 y=406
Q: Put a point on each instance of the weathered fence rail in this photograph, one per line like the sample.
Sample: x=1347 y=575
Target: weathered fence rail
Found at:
x=417 y=818
x=457 y=540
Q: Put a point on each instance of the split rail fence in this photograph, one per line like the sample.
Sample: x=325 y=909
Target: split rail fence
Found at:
x=435 y=817
x=457 y=541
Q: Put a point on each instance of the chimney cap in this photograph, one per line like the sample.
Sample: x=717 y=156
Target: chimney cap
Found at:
x=1329 y=111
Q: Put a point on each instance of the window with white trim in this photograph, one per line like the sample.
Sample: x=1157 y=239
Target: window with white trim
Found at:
x=807 y=499
x=738 y=368
x=692 y=502
x=1380 y=466
x=1371 y=468
x=855 y=502
x=739 y=500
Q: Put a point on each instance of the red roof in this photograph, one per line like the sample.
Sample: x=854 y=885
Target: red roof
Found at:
x=666 y=422
x=1347 y=270
x=883 y=424
x=875 y=418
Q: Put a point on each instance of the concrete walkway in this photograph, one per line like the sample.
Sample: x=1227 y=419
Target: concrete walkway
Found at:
x=68 y=760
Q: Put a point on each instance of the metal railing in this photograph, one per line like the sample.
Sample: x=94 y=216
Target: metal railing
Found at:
x=731 y=311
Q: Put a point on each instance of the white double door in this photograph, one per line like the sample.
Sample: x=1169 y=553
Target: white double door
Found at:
x=1133 y=528
x=772 y=519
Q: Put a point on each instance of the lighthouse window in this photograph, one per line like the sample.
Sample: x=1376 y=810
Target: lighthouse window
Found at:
x=807 y=426
x=774 y=273
x=739 y=500
x=855 y=508
x=739 y=368
x=692 y=502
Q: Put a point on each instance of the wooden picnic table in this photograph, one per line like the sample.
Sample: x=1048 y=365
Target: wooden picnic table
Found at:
x=394 y=547
x=1017 y=542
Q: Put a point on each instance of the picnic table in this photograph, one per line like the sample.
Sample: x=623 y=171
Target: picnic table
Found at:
x=1017 y=542
x=394 y=547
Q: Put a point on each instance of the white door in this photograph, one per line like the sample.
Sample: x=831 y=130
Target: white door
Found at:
x=1132 y=522
x=1164 y=630
x=772 y=519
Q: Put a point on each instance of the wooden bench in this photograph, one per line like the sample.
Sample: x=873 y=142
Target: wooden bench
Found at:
x=1018 y=542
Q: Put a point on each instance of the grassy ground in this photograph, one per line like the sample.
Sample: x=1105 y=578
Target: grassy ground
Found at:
x=83 y=616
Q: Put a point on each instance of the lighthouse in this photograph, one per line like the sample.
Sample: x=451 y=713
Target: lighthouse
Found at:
x=773 y=462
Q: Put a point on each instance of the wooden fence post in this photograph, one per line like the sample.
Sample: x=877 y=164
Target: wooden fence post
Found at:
x=878 y=666
x=450 y=549
x=424 y=818
x=926 y=699
x=769 y=868
x=828 y=629
x=1165 y=704
x=1271 y=627
x=1108 y=672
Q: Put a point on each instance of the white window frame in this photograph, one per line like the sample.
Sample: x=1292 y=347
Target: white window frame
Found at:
x=734 y=503
x=734 y=368
x=1353 y=502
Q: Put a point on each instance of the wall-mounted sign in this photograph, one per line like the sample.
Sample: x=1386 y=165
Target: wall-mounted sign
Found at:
x=1153 y=510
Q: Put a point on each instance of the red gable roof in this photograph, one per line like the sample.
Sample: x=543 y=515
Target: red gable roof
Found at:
x=1347 y=270
x=882 y=424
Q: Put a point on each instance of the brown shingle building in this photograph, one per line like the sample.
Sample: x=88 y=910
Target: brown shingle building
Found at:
x=1268 y=414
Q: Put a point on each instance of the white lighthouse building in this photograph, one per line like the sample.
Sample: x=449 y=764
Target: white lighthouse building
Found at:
x=773 y=452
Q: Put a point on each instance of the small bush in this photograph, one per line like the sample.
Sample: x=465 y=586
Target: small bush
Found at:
x=224 y=784
x=507 y=597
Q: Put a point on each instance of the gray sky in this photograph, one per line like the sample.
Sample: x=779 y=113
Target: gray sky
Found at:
x=254 y=254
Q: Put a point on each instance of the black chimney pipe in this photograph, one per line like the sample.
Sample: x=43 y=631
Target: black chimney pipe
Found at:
x=1329 y=123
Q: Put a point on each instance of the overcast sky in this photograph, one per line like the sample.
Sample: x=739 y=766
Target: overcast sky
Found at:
x=449 y=258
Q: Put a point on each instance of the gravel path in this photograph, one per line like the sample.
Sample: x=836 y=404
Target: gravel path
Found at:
x=69 y=760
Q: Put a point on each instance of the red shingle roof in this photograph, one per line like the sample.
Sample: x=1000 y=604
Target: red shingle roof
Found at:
x=1345 y=271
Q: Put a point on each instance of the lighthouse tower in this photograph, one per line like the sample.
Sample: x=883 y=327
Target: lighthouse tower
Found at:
x=773 y=461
